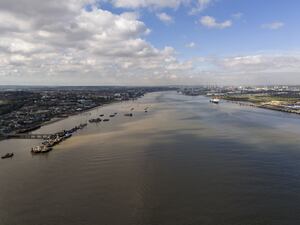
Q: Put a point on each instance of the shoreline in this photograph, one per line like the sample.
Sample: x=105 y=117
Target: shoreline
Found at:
x=251 y=104
x=269 y=107
x=57 y=119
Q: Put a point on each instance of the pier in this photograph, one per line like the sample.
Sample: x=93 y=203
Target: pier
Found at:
x=28 y=136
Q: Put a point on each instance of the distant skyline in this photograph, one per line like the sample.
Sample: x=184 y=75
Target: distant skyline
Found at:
x=149 y=42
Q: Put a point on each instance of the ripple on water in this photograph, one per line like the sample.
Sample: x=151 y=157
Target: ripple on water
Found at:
x=184 y=162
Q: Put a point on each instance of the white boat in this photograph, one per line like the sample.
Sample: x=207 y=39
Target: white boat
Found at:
x=215 y=100
x=68 y=135
x=41 y=149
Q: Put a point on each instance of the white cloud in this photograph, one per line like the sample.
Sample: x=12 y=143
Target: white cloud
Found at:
x=58 y=42
x=196 y=5
x=164 y=17
x=273 y=26
x=200 y=5
x=55 y=42
x=253 y=69
x=211 y=22
x=263 y=63
x=191 y=45
x=147 y=3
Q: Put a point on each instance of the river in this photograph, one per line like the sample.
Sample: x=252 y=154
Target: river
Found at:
x=184 y=162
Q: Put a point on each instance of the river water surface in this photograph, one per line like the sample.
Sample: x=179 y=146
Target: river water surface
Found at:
x=184 y=162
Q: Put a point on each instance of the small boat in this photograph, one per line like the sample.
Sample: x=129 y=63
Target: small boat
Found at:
x=7 y=155
x=128 y=114
x=95 y=120
x=68 y=135
x=112 y=115
x=50 y=143
x=57 y=140
x=105 y=120
x=215 y=100
x=101 y=115
x=82 y=125
x=41 y=149
x=36 y=149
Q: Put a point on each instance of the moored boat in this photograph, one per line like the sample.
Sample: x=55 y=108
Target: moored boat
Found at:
x=41 y=149
x=7 y=155
x=215 y=100
x=98 y=120
x=68 y=135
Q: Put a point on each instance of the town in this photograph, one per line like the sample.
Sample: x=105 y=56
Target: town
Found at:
x=24 y=109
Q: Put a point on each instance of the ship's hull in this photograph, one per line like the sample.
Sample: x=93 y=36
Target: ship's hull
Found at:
x=215 y=101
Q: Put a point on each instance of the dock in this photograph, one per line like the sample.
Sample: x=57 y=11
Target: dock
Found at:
x=28 y=136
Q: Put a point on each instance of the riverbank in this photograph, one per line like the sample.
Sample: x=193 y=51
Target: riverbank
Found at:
x=279 y=108
x=58 y=119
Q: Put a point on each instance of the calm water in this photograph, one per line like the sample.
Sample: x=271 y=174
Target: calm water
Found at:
x=185 y=162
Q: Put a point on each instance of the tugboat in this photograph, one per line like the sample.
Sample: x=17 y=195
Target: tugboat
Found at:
x=7 y=155
x=215 y=100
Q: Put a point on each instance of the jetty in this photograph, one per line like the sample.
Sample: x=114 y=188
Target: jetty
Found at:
x=28 y=136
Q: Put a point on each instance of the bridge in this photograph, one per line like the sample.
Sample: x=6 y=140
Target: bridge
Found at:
x=28 y=136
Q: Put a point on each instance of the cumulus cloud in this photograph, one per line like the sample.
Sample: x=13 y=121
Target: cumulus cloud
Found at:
x=263 y=63
x=147 y=3
x=196 y=5
x=273 y=26
x=62 y=41
x=251 y=69
x=76 y=42
x=165 y=18
x=211 y=22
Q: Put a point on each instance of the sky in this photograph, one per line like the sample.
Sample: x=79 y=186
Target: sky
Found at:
x=149 y=42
